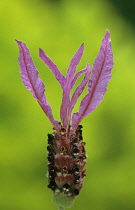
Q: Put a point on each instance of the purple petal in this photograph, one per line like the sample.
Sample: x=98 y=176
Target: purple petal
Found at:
x=67 y=88
x=101 y=74
x=32 y=82
x=79 y=89
x=74 y=62
x=64 y=109
x=59 y=76
x=76 y=77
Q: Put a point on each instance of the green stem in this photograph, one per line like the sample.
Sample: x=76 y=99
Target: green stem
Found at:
x=61 y=208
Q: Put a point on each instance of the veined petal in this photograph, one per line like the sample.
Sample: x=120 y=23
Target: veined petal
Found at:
x=79 y=89
x=32 y=82
x=101 y=74
x=59 y=76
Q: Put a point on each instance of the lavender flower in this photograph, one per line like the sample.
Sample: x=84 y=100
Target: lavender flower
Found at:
x=66 y=152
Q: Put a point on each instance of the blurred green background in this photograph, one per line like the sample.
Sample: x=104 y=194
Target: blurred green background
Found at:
x=60 y=27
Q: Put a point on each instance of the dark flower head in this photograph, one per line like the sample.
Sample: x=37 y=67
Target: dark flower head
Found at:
x=66 y=152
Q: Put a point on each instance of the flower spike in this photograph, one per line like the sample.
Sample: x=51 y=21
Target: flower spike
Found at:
x=66 y=150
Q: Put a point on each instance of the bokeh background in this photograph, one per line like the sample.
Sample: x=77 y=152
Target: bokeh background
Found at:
x=60 y=27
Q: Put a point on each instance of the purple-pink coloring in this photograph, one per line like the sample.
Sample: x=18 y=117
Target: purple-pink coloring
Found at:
x=96 y=78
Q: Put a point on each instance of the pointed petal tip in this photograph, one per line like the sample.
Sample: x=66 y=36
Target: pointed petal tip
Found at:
x=17 y=41
x=42 y=54
x=107 y=31
x=82 y=46
x=107 y=36
x=40 y=51
x=20 y=43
